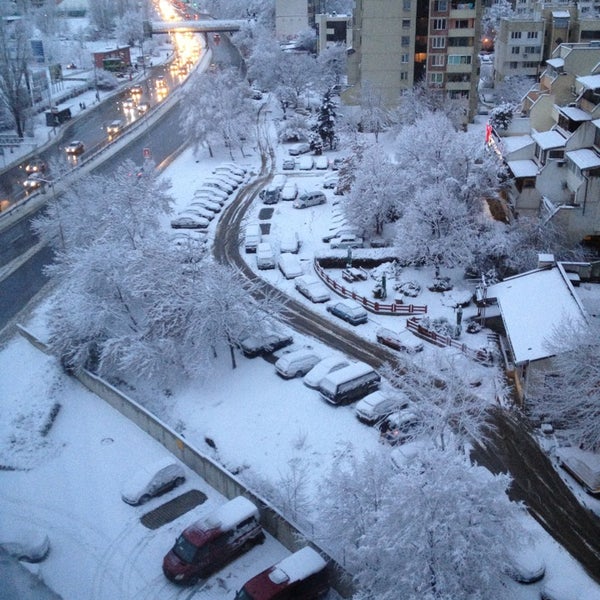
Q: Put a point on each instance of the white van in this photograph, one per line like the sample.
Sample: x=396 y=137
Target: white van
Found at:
x=290 y=266
x=265 y=256
x=297 y=363
x=349 y=384
x=309 y=199
x=252 y=237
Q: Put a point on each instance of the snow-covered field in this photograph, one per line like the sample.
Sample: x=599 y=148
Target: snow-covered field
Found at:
x=67 y=482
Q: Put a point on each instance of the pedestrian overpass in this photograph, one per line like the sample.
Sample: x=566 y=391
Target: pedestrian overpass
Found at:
x=200 y=26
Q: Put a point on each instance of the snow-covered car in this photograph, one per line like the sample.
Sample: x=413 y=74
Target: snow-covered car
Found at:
x=224 y=171
x=75 y=147
x=234 y=168
x=297 y=363
x=378 y=405
x=220 y=184
x=321 y=163
x=34 y=182
x=289 y=164
x=114 y=128
x=289 y=191
x=398 y=427
x=330 y=181
x=297 y=149
x=338 y=231
x=346 y=241
x=323 y=368
x=305 y=163
x=152 y=480
x=525 y=565
x=403 y=340
x=211 y=191
x=188 y=222
x=207 y=203
x=259 y=345
x=337 y=163
x=349 y=311
x=197 y=209
x=289 y=242
x=23 y=542
x=312 y=288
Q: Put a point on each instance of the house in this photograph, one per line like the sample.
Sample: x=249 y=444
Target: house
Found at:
x=532 y=307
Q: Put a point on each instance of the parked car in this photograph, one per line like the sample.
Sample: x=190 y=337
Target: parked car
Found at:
x=289 y=265
x=289 y=191
x=213 y=192
x=259 y=345
x=301 y=148
x=265 y=256
x=330 y=181
x=338 y=231
x=225 y=171
x=348 y=311
x=252 y=237
x=213 y=541
x=305 y=163
x=344 y=241
x=35 y=165
x=289 y=242
x=323 y=368
x=349 y=384
x=313 y=288
x=297 y=363
x=75 y=148
x=321 y=163
x=337 y=163
x=188 y=222
x=378 y=405
x=404 y=340
x=226 y=178
x=23 y=541
x=234 y=167
x=300 y=576
x=153 y=480
x=307 y=199
x=220 y=184
x=199 y=210
x=289 y=164
x=209 y=204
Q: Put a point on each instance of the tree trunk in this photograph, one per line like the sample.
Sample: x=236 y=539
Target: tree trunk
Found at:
x=232 y=352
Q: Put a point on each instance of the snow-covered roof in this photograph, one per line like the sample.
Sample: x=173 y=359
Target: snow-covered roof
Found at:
x=575 y=114
x=523 y=168
x=561 y=14
x=532 y=305
x=231 y=513
x=512 y=143
x=557 y=63
x=548 y=139
x=591 y=82
x=585 y=158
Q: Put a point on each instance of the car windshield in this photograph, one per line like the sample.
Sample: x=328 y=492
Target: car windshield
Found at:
x=355 y=311
x=185 y=550
x=242 y=595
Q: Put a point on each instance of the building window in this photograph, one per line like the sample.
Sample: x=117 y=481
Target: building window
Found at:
x=405 y=41
x=436 y=78
x=406 y=5
x=515 y=35
x=437 y=60
x=459 y=59
x=404 y=58
x=459 y=94
x=515 y=50
x=405 y=23
x=531 y=49
x=440 y=6
x=461 y=42
x=439 y=24
x=462 y=24
x=513 y=65
x=532 y=35
x=403 y=76
x=438 y=42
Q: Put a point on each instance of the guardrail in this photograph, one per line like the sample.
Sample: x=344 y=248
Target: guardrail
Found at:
x=394 y=308
x=288 y=534
x=483 y=355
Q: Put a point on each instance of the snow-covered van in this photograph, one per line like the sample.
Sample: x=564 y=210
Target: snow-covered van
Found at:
x=349 y=384
x=252 y=237
x=209 y=543
x=301 y=576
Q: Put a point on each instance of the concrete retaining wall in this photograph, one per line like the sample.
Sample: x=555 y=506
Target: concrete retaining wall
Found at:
x=290 y=536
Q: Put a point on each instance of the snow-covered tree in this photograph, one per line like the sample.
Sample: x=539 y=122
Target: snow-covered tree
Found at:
x=325 y=126
x=567 y=393
x=347 y=172
x=513 y=89
x=501 y=116
x=295 y=73
x=296 y=127
x=374 y=115
x=218 y=110
x=262 y=54
x=492 y=15
x=332 y=63
x=372 y=200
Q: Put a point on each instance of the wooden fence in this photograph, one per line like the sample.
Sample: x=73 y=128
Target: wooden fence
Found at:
x=395 y=308
x=483 y=355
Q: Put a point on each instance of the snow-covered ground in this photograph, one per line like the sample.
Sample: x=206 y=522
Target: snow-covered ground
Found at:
x=67 y=482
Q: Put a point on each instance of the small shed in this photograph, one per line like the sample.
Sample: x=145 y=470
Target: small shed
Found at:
x=115 y=59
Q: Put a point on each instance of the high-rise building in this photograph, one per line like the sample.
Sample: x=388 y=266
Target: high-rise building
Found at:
x=397 y=43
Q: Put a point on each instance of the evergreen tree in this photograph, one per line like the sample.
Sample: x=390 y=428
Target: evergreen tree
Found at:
x=325 y=126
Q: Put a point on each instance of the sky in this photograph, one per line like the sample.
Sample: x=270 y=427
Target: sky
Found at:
x=67 y=483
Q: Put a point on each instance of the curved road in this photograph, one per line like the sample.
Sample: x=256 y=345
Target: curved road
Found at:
x=509 y=448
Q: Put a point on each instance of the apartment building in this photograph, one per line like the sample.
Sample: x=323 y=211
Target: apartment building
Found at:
x=293 y=16
x=397 y=43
